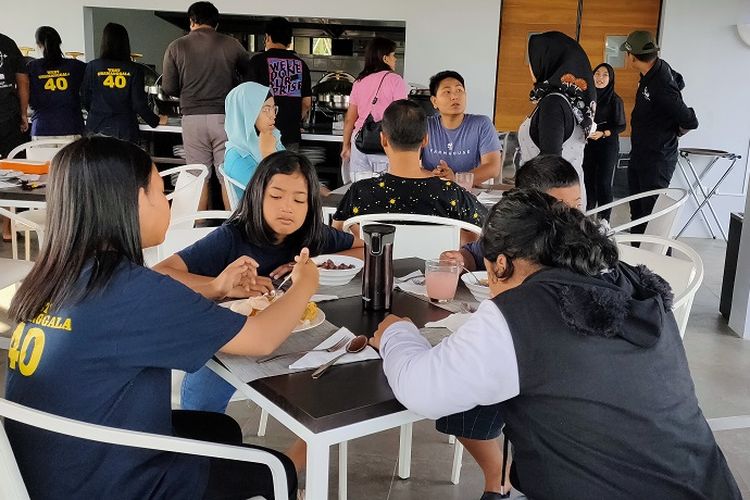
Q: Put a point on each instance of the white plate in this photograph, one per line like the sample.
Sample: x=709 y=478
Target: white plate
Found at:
x=317 y=321
x=338 y=277
x=478 y=291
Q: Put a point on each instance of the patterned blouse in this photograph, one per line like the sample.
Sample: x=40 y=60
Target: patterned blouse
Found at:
x=425 y=196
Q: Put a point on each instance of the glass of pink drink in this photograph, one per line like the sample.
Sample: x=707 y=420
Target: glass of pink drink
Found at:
x=465 y=180
x=441 y=279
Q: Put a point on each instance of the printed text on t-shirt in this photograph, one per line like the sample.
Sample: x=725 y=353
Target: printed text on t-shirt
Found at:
x=285 y=77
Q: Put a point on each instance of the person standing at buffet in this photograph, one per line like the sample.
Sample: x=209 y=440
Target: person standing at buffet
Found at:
x=113 y=90
x=201 y=68
x=288 y=77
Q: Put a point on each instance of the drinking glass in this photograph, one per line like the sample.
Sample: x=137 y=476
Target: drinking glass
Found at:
x=441 y=279
x=465 y=180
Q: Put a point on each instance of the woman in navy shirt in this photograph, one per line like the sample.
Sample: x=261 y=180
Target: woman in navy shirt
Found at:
x=113 y=90
x=98 y=335
x=55 y=89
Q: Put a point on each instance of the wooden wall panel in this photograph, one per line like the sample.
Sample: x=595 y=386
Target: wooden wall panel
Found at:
x=519 y=18
x=599 y=19
x=602 y=18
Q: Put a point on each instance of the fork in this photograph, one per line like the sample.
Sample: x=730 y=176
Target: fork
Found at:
x=335 y=347
x=280 y=288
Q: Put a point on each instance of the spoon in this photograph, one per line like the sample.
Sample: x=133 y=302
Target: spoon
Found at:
x=356 y=344
x=473 y=276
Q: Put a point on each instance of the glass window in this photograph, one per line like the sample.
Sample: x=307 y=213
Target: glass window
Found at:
x=612 y=53
x=322 y=47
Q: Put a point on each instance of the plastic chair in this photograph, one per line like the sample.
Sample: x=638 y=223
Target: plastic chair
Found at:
x=231 y=185
x=187 y=190
x=41 y=150
x=11 y=481
x=684 y=274
x=423 y=236
x=660 y=222
x=31 y=220
x=181 y=234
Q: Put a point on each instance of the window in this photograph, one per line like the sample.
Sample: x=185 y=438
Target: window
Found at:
x=612 y=53
x=321 y=47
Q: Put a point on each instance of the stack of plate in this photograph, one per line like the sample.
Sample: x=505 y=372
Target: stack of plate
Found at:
x=316 y=155
x=179 y=151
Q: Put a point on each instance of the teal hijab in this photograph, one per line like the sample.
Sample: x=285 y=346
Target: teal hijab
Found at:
x=243 y=106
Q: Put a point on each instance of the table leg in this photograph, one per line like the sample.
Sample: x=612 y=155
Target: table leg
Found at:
x=13 y=236
x=692 y=187
x=318 y=459
x=343 y=464
x=404 y=451
x=707 y=197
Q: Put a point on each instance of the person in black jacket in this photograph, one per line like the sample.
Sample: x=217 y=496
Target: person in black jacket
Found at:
x=603 y=146
x=659 y=117
x=113 y=90
x=581 y=357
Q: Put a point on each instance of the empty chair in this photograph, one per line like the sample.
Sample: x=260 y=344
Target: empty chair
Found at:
x=41 y=150
x=181 y=234
x=233 y=187
x=423 y=236
x=187 y=190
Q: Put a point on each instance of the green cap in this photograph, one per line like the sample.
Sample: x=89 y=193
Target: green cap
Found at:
x=640 y=42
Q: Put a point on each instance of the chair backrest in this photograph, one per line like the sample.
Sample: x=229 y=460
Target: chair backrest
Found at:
x=41 y=150
x=181 y=234
x=660 y=221
x=423 y=236
x=187 y=190
x=11 y=481
x=346 y=173
x=684 y=274
x=234 y=189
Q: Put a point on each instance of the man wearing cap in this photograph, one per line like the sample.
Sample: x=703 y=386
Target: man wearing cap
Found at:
x=659 y=117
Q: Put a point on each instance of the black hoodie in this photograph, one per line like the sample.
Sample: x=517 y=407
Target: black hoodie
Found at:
x=607 y=408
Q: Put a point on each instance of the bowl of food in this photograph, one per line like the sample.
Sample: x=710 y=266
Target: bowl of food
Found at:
x=337 y=270
x=481 y=290
x=311 y=317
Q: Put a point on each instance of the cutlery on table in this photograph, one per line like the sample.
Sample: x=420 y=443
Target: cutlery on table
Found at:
x=335 y=347
x=356 y=344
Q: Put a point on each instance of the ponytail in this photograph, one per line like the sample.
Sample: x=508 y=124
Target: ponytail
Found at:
x=531 y=225
x=49 y=40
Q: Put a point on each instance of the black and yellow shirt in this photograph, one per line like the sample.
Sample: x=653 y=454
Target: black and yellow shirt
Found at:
x=424 y=196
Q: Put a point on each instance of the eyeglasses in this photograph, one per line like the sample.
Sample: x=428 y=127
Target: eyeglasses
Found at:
x=270 y=110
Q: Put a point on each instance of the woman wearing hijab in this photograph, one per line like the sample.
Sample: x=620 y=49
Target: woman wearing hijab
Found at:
x=600 y=155
x=251 y=132
x=564 y=92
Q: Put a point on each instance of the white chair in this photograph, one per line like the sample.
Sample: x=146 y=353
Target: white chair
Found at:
x=11 y=481
x=31 y=220
x=181 y=234
x=423 y=236
x=187 y=190
x=40 y=150
x=327 y=215
x=660 y=222
x=684 y=273
x=231 y=185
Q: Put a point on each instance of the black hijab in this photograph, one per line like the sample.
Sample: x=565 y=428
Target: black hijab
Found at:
x=561 y=66
x=604 y=96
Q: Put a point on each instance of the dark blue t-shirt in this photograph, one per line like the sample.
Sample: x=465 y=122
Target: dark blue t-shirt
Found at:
x=107 y=360
x=212 y=254
x=55 y=97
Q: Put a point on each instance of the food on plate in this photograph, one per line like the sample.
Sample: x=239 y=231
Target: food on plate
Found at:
x=254 y=305
x=330 y=265
x=484 y=282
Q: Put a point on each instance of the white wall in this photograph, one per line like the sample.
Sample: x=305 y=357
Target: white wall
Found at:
x=463 y=37
x=700 y=40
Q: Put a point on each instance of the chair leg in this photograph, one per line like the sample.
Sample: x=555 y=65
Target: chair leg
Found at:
x=451 y=439
x=27 y=244
x=343 y=466
x=404 y=451
x=263 y=423
x=458 y=457
x=13 y=237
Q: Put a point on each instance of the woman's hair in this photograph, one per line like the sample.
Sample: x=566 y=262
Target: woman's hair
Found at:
x=49 y=39
x=378 y=48
x=249 y=214
x=531 y=225
x=115 y=43
x=437 y=79
x=92 y=205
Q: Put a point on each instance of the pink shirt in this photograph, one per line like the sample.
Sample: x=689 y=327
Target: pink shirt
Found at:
x=394 y=88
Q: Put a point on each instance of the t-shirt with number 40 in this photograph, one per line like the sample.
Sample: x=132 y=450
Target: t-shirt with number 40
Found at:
x=55 y=97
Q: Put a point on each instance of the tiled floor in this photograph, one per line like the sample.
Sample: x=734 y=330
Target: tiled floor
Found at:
x=720 y=364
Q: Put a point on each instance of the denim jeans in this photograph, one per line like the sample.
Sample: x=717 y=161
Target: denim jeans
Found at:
x=205 y=391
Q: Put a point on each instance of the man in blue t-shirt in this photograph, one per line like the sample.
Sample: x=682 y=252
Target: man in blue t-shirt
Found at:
x=459 y=142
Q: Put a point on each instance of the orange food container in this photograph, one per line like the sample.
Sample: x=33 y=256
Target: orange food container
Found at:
x=26 y=166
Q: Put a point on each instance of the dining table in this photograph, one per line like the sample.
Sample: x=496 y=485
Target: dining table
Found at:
x=350 y=400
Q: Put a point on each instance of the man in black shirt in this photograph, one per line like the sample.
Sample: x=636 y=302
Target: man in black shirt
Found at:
x=659 y=117
x=287 y=76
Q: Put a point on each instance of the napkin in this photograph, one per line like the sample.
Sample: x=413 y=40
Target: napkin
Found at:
x=315 y=359
x=322 y=297
x=410 y=286
x=452 y=322
x=492 y=197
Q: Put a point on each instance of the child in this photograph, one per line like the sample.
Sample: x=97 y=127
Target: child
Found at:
x=552 y=174
x=279 y=214
x=98 y=335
